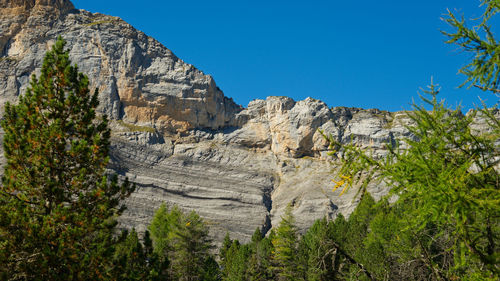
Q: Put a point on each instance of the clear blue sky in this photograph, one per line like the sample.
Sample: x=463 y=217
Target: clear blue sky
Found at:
x=369 y=54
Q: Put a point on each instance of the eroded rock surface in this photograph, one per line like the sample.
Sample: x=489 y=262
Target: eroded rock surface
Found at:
x=140 y=80
x=179 y=138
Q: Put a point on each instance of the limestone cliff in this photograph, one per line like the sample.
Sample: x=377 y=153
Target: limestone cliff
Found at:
x=179 y=138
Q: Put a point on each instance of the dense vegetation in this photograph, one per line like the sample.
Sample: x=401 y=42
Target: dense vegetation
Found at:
x=57 y=205
x=441 y=220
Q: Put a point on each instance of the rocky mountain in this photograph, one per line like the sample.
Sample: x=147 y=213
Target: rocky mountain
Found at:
x=179 y=138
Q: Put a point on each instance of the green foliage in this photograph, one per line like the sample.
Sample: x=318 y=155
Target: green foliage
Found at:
x=161 y=228
x=484 y=70
x=350 y=236
x=211 y=271
x=226 y=244
x=134 y=260
x=317 y=252
x=191 y=247
x=447 y=177
x=130 y=258
x=285 y=243
x=135 y=128
x=259 y=262
x=236 y=264
x=358 y=223
x=57 y=207
x=444 y=220
x=445 y=223
x=444 y=177
x=183 y=241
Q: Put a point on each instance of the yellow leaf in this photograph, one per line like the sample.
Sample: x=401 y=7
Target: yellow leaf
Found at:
x=345 y=180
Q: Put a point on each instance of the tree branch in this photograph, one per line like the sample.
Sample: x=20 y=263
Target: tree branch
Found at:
x=496 y=91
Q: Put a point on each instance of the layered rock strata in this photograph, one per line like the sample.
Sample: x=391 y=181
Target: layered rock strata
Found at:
x=179 y=138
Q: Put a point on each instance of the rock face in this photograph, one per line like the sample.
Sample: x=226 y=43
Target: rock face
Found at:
x=179 y=138
x=242 y=177
x=140 y=81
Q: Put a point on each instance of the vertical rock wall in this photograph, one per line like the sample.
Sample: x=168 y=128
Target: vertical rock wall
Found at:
x=179 y=138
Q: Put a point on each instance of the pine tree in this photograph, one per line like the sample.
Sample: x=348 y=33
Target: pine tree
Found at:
x=259 y=262
x=226 y=244
x=357 y=225
x=57 y=205
x=211 y=270
x=448 y=176
x=161 y=228
x=156 y=267
x=134 y=260
x=236 y=262
x=285 y=257
x=130 y=258
x=190 y=248
x=317 y=252
x=182 y=242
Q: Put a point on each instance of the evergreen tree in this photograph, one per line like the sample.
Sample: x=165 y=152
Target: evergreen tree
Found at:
x=259 y=262
x=317 y=252
x=335 y=250
x=190 y=248
x=156 y=267
x=285 y=257
x=57 y=207
x=182 y=241
x=392 y=250
x=357 y=229
x=211 y=270
x=226 y=244
x=161 y=229
x=339 y=228
x=357 y=225
x=137 y=261
x=236 y=262
x=130 y=258
x=447 y=216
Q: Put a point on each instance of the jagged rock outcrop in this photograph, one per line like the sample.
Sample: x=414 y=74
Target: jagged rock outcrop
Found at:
x=242 y=177
x=179 y=138
x=140 y=81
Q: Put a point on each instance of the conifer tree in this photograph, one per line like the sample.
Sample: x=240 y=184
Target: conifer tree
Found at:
x=182 y=242
x=236 y=262
x=161 y=227
x=57 y=206
x=285 y=257
x=259 y=262
x=447 y=173
x=190 y=248
x=317 y=252
x=156 y=267
x=130 y=258
x=226 y=244
x=358 y=224
x=448 y=176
